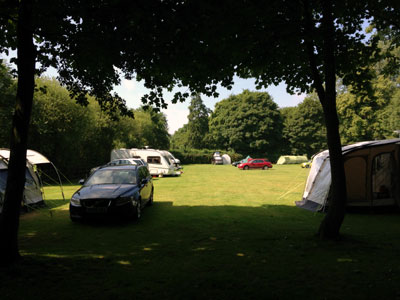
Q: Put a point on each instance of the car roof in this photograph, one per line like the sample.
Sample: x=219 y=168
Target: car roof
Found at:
x=121 y=167
x=130 y=159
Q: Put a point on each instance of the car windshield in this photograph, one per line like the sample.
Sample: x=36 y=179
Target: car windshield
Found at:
x=112 y=177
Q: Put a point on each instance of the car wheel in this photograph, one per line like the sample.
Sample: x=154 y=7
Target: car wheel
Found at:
x=265 y=168
x=150 y=202
x=245 y=167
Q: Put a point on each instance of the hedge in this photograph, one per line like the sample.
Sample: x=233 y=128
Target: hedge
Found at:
x=195 y=156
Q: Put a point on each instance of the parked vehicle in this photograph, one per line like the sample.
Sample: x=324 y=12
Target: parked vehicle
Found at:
x=236 y=163
x=306 y=164
x=217 y=159
x=173 y=159
x=113 y=190
x=256 y=163
x=123 y=161
x=128 y=161
x=159 y=163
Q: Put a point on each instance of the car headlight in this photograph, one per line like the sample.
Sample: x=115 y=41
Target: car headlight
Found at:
x=123 y=200
x=75 y=201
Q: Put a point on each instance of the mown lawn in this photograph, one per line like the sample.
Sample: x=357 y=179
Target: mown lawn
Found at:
x=214 y=233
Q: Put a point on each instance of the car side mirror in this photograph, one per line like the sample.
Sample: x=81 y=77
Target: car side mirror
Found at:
x=82 y=181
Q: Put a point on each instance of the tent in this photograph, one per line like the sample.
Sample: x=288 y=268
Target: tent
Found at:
x=33 y=194
x=372 y=176
x=226 y=159
x=291 y=159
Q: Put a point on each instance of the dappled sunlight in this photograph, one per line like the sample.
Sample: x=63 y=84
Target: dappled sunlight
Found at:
x=31 y=234
x=124 y=262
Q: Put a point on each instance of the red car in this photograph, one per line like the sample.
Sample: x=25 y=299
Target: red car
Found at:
x=256 y=163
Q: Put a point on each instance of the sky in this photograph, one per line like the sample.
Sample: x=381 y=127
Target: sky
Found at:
x=176 y=114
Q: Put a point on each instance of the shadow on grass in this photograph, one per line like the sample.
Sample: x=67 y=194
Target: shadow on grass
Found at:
x=213 y=252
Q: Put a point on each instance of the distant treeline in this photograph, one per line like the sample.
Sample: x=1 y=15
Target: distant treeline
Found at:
x=76 y=138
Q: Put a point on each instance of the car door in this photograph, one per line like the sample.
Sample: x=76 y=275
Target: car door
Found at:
x=145 y=185
x=253 y=164
x=149 y=185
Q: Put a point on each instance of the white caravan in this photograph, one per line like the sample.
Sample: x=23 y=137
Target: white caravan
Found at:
x=159 y=163
x=172 y=159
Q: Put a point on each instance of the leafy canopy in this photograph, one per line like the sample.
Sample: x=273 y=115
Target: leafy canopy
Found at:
x=248 y=123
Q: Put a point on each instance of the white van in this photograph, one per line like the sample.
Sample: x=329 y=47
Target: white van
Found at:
x=158 y=162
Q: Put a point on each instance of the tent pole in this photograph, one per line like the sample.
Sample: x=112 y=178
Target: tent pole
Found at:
x=59 y=179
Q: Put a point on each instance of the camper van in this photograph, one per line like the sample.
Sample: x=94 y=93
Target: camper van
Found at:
x=159 y=163
x=372 y=176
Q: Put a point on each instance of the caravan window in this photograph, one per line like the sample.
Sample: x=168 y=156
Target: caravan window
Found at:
x=154 y=159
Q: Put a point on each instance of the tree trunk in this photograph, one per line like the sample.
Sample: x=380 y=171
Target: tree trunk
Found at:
x=330 y=226
x=9 y=220
x=332 y=222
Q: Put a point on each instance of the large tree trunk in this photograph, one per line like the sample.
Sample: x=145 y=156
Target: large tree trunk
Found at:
x=330 y=226
x=9 y=220
x=332 y=222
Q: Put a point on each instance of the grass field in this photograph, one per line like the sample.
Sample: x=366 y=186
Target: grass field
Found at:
x=214 y=233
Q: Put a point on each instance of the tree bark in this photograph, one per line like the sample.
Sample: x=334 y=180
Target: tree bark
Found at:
x=333 y=220
x=9 y=220
x=330 y=225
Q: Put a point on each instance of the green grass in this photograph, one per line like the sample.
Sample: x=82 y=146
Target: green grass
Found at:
x=215 y=232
